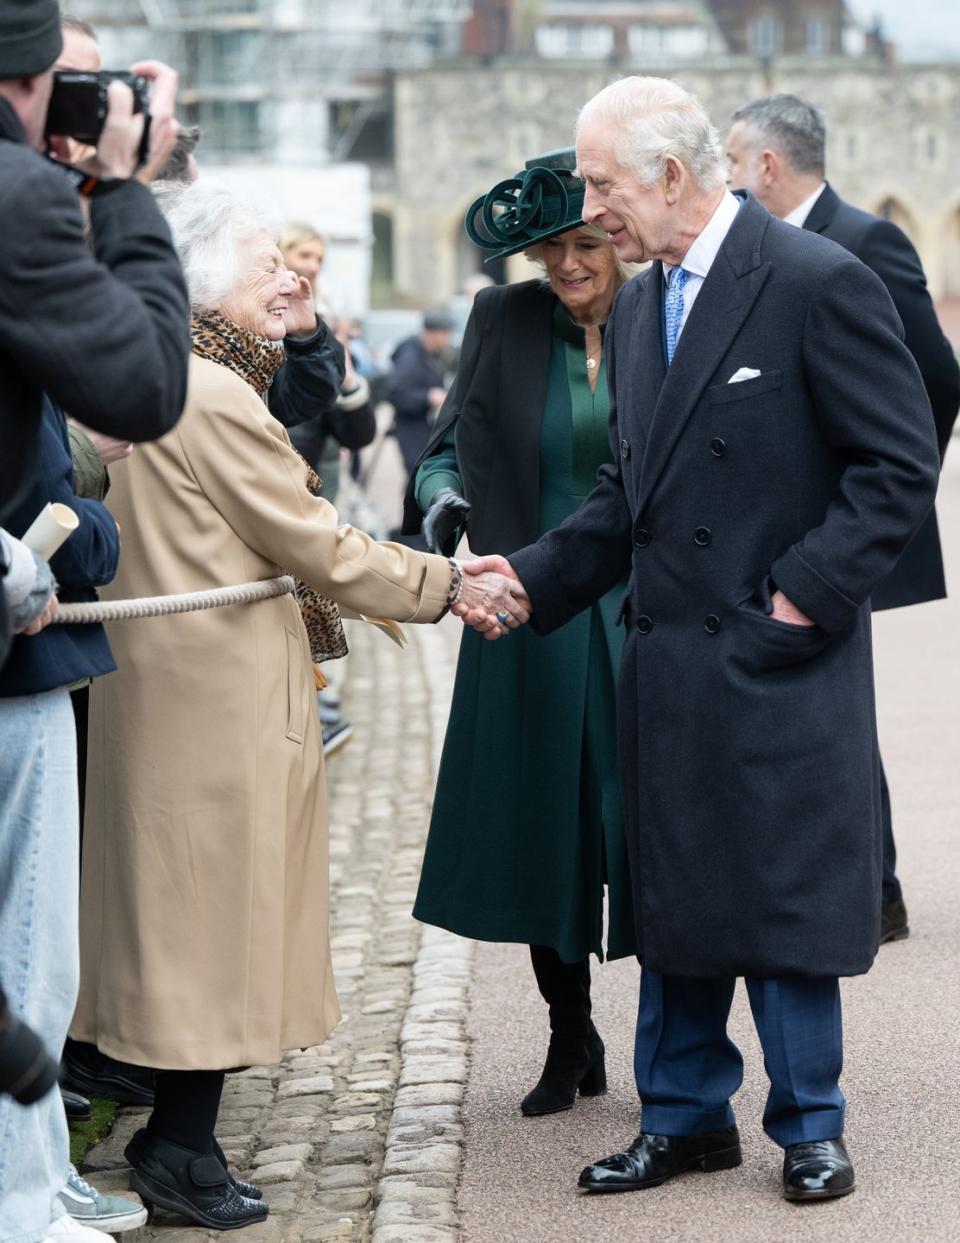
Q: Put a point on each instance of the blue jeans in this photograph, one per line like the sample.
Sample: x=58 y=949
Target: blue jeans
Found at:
x=39 y=957
x=688 y=1068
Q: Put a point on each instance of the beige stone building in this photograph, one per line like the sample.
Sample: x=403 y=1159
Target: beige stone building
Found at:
x=894 y=146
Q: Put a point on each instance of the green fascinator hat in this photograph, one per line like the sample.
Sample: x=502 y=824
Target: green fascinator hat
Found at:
x=542 y=200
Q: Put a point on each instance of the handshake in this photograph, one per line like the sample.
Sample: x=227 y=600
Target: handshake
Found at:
x=492 y=599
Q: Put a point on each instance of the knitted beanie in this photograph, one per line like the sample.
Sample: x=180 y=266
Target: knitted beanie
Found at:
x=30 y=37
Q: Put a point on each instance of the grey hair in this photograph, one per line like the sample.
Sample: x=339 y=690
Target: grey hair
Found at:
x=655 y=119
x=789 y=124
x=624 y=270
x=78 y=25
x=208 y=222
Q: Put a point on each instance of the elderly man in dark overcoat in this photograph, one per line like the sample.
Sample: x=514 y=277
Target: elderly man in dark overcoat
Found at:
x=775 y=451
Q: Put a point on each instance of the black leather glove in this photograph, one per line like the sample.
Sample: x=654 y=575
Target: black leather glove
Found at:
x=443 y=520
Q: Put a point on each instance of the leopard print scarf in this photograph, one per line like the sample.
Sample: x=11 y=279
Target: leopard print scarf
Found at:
x=256 y=360
x=253 y=358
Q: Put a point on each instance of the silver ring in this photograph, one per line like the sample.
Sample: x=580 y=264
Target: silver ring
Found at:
x=502 y=618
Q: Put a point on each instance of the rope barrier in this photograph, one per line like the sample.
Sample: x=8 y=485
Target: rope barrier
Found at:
x=161 y=606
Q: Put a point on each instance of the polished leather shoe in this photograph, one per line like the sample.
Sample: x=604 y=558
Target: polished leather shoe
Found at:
x=572 y=1066
x=76 y=1107
x=137 y=1147
x=193 y=1184
x=894 y=924
x=817 y=1170
x=652 y=1159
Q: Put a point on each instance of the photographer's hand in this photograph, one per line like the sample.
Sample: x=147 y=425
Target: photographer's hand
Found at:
x=164 y=126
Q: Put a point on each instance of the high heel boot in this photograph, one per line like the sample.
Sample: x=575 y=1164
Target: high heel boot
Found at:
x=575 y=1057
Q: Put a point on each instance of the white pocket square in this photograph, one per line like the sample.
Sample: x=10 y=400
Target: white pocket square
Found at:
x=745 y=373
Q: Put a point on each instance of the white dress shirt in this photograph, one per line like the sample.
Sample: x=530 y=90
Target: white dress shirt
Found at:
x=699 y=258
x=800 y=213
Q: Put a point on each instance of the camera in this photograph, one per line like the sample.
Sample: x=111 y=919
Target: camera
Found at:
x=27 y=1071
x=78 y=105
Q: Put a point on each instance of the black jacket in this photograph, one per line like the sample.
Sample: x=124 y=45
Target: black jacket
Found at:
x=497 y=401
x=414 y=373
x=107 y=335
x=918 y=575
x=747 y=747
x=59 y=655
x=308 y=384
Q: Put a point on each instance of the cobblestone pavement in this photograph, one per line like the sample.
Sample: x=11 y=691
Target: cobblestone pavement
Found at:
x=359 y=1138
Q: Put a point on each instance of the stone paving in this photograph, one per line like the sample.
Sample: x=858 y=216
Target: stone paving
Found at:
x=360 y=1138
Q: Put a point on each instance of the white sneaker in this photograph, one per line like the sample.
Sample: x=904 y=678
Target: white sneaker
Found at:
x=66 y=1228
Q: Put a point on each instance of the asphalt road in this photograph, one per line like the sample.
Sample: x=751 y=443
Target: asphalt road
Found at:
x=902 y=1077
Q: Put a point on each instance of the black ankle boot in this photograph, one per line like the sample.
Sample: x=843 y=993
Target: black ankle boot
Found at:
x=135 y=1150
x=572 y=1065
x=575 y=1058
x=194 y=1184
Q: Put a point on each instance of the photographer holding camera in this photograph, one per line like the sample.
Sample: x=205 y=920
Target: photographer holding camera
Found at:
x=106 y=336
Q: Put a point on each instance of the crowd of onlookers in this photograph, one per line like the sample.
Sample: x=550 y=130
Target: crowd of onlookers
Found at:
x=162 y=831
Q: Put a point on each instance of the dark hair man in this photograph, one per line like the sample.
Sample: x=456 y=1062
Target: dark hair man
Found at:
x=777 y=150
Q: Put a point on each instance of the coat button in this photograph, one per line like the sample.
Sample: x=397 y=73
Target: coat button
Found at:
x=625 y=448
x=711 y=623
x=702 y=537
x=718 y=447
x=644 y=624
x=641 y=538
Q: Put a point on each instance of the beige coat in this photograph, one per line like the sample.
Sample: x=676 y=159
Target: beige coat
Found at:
x=204 y=907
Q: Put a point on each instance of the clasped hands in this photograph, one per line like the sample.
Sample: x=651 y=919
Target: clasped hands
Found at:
x=492 y=599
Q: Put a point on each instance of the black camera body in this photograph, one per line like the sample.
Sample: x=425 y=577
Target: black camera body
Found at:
x=78 y=105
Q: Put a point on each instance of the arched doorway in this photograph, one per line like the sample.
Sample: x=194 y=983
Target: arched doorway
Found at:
x=381 y=272
x=951 y=256
x=469 y=259
x=893 y=210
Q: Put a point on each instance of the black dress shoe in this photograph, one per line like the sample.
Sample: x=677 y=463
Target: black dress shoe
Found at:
x=652 y=1159
x=76 y=1107
x=85 y=1068
x=137 y=1147
x=571 y=1067
x=196 y=1185
x=817 y=1170
x=894 y=925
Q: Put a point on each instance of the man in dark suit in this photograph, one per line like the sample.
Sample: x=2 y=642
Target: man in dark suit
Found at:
x=775 y=451
x=776 y=149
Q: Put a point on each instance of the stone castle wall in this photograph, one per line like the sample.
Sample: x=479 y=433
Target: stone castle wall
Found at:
x=894 y=146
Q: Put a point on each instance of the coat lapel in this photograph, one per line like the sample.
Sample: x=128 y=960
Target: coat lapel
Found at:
x=823 y=211
x=723 y=304
x=646 y=342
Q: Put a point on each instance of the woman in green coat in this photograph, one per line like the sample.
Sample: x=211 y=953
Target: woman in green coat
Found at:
x=516 y=448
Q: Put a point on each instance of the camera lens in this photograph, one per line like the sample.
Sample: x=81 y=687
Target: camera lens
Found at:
x=27 y=1071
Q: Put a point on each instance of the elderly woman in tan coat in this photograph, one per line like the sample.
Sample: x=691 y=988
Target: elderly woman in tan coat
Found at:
x=204 y=917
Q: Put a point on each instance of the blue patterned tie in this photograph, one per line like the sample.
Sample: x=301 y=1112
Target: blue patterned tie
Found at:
x=673 y=309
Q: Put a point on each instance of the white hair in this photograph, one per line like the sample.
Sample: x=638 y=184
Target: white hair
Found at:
x=208 y=222
x=655 y=118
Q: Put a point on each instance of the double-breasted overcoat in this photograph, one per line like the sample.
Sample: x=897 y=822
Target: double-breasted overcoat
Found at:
x=748 y=750
x=204 y=904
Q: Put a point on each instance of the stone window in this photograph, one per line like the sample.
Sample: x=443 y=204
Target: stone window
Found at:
x=817 y=36
x=766 y=36
x=587 y=42
x=679 y=42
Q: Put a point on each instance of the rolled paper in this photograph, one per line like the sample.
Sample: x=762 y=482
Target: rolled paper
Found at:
x=54 y=524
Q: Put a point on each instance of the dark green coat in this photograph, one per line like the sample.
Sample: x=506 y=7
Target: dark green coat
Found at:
x=526 y=821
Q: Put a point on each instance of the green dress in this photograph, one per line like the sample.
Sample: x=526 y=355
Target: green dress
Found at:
x=526 y=819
